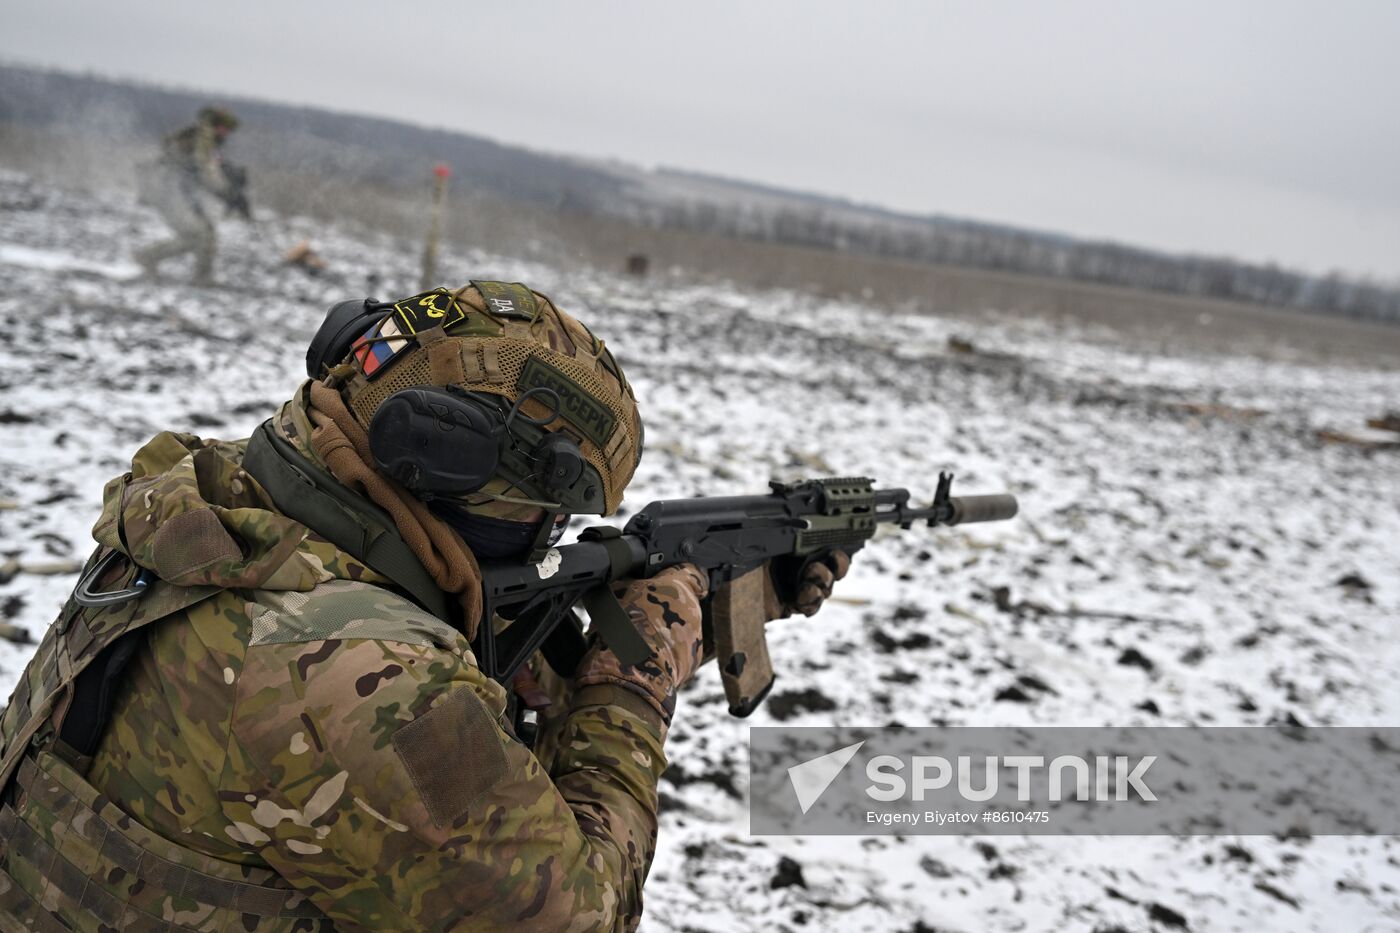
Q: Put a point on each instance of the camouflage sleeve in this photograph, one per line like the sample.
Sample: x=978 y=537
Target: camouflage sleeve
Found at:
x=666 y=611
x=377 y=777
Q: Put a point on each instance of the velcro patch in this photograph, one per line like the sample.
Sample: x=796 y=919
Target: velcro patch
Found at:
x=190 y=542
x=452 y=754
x=428 y=310
x=582 y=410
x=508 y=299
x=379 y=345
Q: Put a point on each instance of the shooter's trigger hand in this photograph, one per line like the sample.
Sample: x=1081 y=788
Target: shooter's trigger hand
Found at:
x=666 y=611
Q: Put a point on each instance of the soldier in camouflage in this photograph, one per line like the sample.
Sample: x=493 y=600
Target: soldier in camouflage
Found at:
x=190 y=165
x=273 y=735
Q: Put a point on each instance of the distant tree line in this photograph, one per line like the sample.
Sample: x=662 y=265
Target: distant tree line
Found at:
x=988 y=246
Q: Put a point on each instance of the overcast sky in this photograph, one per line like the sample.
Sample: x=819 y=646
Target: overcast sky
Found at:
x=1264 y=130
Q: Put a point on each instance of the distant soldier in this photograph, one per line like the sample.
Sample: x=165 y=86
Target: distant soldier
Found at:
x=191 y=162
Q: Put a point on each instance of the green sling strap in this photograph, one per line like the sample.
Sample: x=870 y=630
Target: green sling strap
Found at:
x=305 y=492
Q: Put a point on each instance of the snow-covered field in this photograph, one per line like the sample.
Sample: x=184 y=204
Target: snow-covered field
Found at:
x=1171 y=566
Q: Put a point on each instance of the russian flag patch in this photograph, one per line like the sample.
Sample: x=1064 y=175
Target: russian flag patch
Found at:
x=378 y=346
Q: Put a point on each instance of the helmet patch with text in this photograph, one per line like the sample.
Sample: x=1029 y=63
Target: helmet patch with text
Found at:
x=590 y=416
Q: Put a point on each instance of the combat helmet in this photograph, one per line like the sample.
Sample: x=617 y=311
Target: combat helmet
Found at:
x=488 y=389
x=218 y=117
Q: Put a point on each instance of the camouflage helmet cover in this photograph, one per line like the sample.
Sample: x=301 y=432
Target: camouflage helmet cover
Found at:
x=218 y=117
x=503 y=339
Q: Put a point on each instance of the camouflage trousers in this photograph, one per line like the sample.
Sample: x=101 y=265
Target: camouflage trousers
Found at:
x=177 y=201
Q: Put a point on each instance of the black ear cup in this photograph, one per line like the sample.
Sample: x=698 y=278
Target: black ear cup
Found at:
x=449 y=443
x=344 y=324
x=434 y=443
x=562 y=461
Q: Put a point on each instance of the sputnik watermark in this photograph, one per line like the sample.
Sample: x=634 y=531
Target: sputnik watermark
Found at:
x=811 y=778
x=1071 y=780
x=1114 y=779
x=892 y=778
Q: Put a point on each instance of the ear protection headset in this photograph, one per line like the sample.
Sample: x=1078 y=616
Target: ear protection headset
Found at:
x=449 y=442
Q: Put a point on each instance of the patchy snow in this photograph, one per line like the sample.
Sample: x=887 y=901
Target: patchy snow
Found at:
x=1187 y=495
x=52 y=261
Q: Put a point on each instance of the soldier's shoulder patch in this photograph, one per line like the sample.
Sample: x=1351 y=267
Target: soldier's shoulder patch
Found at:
x=343 y=609
x=459 y=729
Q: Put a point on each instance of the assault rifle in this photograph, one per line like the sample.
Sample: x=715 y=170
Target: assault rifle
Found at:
x=728 y=537
x=236 y=197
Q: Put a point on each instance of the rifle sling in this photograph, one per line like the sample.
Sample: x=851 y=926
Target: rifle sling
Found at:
x=611 y=623
x=305 y=492
x=620 y=556
x=610 y=620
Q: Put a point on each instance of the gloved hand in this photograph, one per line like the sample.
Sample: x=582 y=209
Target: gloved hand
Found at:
x=666 y=610
x=809 y=591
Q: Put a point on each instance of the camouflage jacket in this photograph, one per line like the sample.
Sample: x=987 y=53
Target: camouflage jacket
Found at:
x=308 y=720
x=196 y=153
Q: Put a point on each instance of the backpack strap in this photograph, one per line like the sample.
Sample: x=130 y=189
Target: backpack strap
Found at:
x=303 y=491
